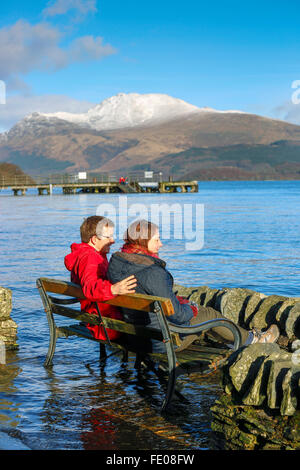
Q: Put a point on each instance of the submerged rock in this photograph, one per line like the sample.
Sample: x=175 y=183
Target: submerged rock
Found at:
x=246 y=427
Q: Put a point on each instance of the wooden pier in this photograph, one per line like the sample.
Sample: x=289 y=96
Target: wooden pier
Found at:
x=93 y=185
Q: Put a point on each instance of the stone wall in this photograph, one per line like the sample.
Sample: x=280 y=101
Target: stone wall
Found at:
x=250 y=309
x=260 y=406
x=8 y=328
x=240 y=427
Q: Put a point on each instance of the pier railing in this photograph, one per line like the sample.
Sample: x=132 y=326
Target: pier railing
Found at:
x=65 y=178
x=59 y=179
x=91 y=183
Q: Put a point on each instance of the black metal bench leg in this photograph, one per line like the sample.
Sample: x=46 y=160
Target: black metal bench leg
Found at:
x=170 y=354
x=102 y=352
x=138 y=360
x=52 y=343
x=170 y=389
x=125 y=356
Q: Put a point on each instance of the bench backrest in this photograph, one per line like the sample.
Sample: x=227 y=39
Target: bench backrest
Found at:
x=72 y=293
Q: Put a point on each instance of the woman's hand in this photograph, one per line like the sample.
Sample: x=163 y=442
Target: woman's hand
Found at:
x=127 y=286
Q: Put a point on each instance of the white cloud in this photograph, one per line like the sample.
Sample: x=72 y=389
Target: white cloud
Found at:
x=61 y=7
x=288 y=111
x=44 y=47
x=89 y=47
x=26 y=47
x=17 y=107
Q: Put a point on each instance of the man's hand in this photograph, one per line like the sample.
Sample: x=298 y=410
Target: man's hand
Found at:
x=124 y=287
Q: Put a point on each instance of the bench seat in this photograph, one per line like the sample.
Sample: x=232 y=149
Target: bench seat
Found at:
x=196 y=358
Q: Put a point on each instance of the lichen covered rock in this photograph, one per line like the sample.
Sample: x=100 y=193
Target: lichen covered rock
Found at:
x=292 y=325
x=263 y=375
x=248 y=308
x=8 y=328
x=260 y=407
x=5 y=303
x=245 y=427
x=234 y=302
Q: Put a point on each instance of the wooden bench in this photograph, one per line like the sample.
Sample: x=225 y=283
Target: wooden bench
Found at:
x=195 y=358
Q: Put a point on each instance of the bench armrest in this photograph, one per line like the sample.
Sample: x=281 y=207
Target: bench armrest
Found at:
x=63 y=301
x=194 y=329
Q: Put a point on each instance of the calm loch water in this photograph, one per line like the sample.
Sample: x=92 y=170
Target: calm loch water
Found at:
x=251 y=239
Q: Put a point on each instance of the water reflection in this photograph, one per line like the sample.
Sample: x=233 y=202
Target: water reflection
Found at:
x=9 y=408
x=107 y=407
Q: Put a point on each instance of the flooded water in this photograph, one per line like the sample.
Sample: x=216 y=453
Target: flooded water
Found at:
x=251 y=239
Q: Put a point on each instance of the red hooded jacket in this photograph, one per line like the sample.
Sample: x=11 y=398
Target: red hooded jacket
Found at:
x=88 y=269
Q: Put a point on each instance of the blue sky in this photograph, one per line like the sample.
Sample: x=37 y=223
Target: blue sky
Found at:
x=70 y=54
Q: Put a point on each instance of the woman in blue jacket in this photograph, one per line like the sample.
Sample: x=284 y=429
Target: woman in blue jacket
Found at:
x=139 y=256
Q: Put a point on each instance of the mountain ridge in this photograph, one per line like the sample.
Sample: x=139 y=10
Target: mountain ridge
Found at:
x=46 y=143
x=130 y=110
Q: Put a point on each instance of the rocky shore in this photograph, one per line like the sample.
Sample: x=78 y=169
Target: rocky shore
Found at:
x=260 y=406
x=8 y=328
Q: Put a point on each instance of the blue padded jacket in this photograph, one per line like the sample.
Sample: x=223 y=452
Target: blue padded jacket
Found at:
x=152 y=279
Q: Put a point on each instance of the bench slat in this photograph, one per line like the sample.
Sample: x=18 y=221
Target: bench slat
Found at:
x=62 y=287
x=75 y=314
x=142 y=302
x=112 y=323
x=131 y=301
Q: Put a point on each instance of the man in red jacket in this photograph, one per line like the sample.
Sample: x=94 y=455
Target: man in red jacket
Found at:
x=88 y=265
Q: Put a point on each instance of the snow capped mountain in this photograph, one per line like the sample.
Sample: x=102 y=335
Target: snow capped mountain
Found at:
x=118 y=112
x=124 y=110
x=128 y=110
x=37 y=124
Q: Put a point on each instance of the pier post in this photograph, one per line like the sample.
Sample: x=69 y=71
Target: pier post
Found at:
x=22 y=190
x=41 y=191
x=71 y=187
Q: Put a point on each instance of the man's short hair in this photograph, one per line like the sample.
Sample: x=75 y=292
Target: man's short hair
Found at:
x=93 y=225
